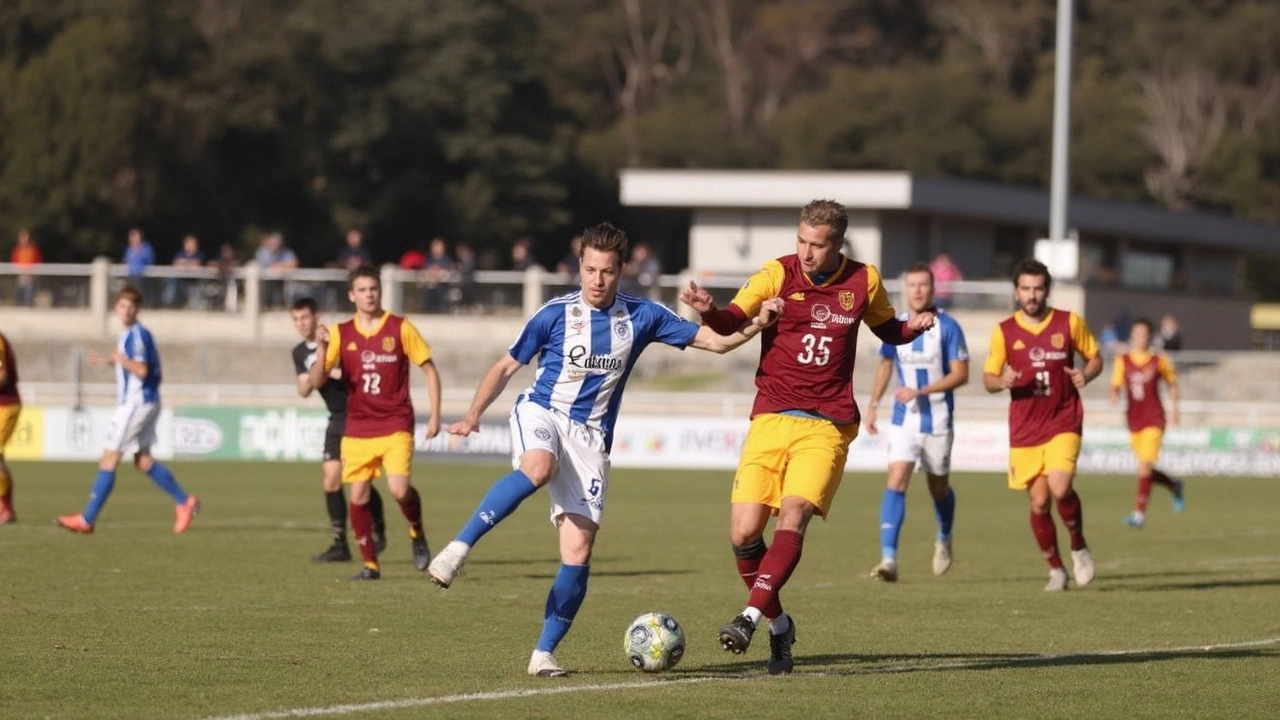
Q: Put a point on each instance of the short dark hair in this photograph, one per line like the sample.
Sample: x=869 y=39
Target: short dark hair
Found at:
x=605 y=238
x=306 y=303
x=132 y=293
x=1034 y=268
x=365 y=270
x=1145 y=322
x=920 y=267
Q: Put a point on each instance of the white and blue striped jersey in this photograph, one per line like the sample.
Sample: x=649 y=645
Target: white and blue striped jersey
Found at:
x=926 y=360
x=585 y=355
x=137 y=344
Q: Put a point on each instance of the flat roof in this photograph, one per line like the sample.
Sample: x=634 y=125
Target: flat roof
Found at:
x=893 y=190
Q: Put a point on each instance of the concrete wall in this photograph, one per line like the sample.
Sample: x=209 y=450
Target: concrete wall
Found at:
x=1206 y=322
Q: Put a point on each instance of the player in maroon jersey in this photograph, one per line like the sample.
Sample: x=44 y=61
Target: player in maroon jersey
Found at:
x=10 y=409
x=1138 y=373
x=375 y=350
x=1032 y=356
x=804 y=416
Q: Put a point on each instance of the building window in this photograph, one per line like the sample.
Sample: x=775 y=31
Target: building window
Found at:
x=1147 y=269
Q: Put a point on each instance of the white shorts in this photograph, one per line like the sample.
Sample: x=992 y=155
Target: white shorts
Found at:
x=133 y=428
x=581 y=476
x=933 y=452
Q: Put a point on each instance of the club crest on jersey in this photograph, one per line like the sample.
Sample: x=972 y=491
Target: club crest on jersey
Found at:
x=620 y=329
x=388 y=344
x=846 y=300
x=575 y=311
x=1058 y=341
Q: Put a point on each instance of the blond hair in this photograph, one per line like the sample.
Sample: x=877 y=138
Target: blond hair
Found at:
x=826 y=212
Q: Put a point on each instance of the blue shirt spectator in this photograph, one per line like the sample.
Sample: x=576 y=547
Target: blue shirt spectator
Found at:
x=139 y=254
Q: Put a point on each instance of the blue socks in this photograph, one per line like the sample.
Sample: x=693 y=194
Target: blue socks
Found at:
x=164 y=480
x=945 y=511
x=502 y=499
x=566 y=595
x=102 y=485
x=893 y=509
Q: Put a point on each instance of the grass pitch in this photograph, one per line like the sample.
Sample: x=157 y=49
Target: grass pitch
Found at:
x=232 y=620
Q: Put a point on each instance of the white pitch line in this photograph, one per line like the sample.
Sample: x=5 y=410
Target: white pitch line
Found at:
x=655 y=684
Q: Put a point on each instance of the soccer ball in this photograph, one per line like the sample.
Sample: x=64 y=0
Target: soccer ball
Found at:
x=654 y=642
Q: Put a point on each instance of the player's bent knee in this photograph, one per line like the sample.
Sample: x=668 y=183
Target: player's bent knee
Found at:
x=538 y=466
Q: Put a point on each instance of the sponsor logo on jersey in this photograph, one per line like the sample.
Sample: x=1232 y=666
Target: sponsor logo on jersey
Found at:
x=388 y=344
x=369 y=357
x=1058 y=341
x=822 y=315
x=579 y=358
x=847 y=299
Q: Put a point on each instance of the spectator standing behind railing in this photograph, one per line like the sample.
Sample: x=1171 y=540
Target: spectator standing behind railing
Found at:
x=182 y=291
x=569 y=263
x=138 y=256
x=355 y=253
x=945 y=274
x=227 y=263
x=25 y=254
x=277 y=262
x=464 y=277
x=640 y=274
x=1169 y=339
x=438 y=272
x=522 y=255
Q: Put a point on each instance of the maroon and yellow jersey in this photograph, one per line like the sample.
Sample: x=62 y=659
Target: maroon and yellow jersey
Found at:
x=806 y=359
x=375 y=368
x=1140 y=374
x=1044 y=403
x=9 y=388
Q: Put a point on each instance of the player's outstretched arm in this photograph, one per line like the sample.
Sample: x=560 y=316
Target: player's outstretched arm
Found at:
x=494 y=382
x=708 y=339
x=432 y=375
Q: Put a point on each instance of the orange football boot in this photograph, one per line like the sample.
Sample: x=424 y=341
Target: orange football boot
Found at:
x=74 y=523
x=183 y=514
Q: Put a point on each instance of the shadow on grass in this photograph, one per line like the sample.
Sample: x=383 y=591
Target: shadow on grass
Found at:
x=855 y=664
x=614 y=573
x=1202 y=585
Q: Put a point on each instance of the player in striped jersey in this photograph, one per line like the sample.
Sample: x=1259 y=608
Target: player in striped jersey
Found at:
x=586 y=344
x=929 y=369
x=1138 y=374
x=133 y=426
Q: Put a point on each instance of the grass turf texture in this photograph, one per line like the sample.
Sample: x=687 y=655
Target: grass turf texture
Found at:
x=232 y=618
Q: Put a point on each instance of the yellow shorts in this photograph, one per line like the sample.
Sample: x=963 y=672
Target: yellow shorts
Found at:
x=786 y=456
x=8 y=423
x=362 y=458
x=1028 y=463
x=1146 y=444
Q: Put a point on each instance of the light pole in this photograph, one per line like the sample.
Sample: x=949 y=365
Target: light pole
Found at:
x=1060 y=171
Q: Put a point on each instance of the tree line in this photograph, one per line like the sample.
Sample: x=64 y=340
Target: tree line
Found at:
x=492 y=120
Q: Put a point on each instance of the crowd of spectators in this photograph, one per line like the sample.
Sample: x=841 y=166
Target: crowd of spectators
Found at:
x=440 y=274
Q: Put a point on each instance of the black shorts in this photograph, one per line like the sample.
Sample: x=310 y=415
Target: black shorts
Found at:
x=333 y=437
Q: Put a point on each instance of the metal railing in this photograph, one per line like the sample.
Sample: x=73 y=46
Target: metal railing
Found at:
x=251 y=290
